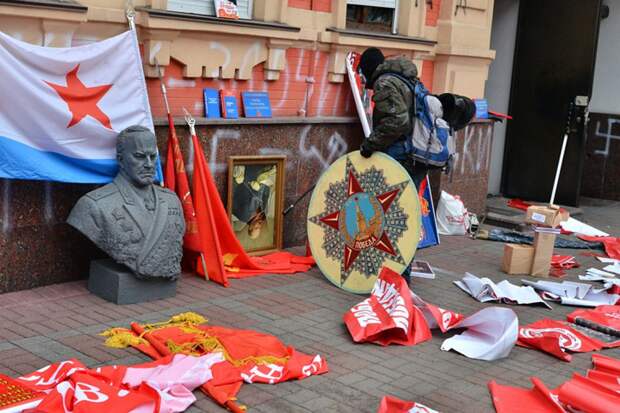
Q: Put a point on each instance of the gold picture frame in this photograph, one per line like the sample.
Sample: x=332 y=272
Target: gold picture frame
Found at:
x=255 y=201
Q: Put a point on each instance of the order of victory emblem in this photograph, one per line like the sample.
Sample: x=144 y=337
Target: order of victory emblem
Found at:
x=364 y=214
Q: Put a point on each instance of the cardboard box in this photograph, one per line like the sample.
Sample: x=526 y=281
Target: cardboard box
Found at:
x=543 y=250
x=517 y=259
x=550 y=216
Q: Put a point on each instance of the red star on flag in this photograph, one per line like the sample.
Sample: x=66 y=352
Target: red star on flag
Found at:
x=82 y=100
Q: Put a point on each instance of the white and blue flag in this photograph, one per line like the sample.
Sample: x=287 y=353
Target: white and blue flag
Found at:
x=62 y=108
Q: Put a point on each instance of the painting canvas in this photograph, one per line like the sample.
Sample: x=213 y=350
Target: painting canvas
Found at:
x=255 y=201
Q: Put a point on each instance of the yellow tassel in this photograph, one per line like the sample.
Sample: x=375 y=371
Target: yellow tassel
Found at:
x=121 y=338
x=188 y=317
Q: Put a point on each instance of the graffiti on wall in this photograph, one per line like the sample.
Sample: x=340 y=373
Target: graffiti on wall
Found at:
x=303 y=87
x=474 y=156
x=608 y=135
x=335 y=147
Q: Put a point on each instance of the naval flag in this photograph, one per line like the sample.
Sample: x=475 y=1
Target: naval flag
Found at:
x=62 y=108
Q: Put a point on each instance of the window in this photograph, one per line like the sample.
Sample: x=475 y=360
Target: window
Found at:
x=372 y=15
x=207 y=7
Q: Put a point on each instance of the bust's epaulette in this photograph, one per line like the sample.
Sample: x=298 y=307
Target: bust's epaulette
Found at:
x=102 y=192
x=161 y=189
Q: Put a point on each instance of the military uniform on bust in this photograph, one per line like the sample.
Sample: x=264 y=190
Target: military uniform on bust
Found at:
x=137 y=223
x=145 y=238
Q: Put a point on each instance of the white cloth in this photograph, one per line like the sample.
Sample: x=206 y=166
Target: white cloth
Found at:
x=572 y=293
x=491 y=334
x=484 y=289
x=578 y=227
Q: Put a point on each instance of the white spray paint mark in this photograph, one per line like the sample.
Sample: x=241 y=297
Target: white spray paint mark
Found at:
x=48 y=210
x=220 y=134
x=6 y=206
x=608 y=135
x=48 y=38
x=178 y=83
x=223 y=49
x=154 y=50
x=324 y=89
x=475 y=156
x=336 y=146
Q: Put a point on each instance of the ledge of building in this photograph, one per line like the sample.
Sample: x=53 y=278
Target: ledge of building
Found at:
x=382 y=36
x=65 y=5
x=212 y=19
x=293 y=120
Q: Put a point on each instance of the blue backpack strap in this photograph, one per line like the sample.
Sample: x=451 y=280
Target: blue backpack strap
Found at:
x=418 y=94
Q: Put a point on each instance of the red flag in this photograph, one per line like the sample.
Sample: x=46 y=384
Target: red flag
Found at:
x=175 y=179
x=611 y=244
x=225 y=257
x=583 y=394
x=391 y=404
x=539 y=399
x=388 y=316
x=246 y=356
x=555 y=337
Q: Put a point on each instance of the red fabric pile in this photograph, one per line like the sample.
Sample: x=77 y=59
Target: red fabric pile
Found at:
x=559 y=263
x=597 y=392
x=249 y=356
x=591 y=330
x=209 y=233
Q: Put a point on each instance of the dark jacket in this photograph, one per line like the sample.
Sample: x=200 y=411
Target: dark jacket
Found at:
x=393 y=100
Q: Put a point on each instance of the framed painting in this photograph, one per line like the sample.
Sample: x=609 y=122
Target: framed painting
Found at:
x=256 y=200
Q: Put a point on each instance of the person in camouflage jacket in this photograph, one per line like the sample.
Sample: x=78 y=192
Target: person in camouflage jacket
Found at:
x=391 y=117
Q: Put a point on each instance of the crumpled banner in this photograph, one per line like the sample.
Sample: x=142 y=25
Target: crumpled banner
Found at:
x=559 y=263
x=484 y=290
x=393 y=314
x=559 y=338
x=164 y=386
x=248 y=356
x=594 y=393
x=611 y=244
x=391 y=404
x=573 y=293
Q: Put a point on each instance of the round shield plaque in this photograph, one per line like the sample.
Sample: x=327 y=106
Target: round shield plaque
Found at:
x=364 y=214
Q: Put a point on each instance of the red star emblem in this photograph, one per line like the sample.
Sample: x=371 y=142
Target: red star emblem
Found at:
x=383 y=243
x=82 y=100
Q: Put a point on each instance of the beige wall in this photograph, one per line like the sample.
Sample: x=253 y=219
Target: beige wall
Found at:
x=461 y=55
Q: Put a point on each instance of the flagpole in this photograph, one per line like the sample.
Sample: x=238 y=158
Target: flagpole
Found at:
x=130 y=12
x=191 y=122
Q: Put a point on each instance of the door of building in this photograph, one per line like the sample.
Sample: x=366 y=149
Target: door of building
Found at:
x=554 y=59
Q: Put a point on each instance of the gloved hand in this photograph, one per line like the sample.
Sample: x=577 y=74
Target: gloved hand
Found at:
x=366 y=148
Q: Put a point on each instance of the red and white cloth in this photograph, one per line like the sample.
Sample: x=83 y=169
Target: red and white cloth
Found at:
x=557 y=338
x=391 y=404
x=604 y=315
x=597 y=392
x=163 y=386
x=393 y=314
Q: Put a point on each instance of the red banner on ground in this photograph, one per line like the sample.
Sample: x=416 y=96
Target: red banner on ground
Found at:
x=248 y=356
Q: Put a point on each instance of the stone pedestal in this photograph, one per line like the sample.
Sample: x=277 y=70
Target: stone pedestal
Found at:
x=115 y=283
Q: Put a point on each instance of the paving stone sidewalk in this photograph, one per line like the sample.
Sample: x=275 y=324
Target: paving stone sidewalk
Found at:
x=61 y=321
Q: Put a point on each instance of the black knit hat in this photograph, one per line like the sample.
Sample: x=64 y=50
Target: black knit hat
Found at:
x=371 y=58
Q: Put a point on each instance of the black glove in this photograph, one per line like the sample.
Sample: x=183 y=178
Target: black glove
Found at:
x=366 y=148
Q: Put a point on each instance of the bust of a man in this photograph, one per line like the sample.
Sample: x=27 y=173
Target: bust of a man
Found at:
x=137 y=223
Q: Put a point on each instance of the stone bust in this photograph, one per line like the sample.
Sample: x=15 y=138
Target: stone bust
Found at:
x=136 y=222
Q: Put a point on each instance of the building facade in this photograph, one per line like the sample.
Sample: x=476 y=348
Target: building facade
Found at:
x=293 y=49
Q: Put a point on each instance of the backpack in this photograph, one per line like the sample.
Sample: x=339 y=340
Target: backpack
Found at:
x=430 y=140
